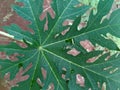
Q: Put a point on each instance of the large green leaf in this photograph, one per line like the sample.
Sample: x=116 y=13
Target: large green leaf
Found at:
x=58 y=55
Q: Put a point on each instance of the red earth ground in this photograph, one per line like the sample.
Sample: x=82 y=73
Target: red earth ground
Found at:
x=8 y=16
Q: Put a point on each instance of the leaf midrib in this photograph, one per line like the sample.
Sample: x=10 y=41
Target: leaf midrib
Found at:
x=107 y=26
x=53 y=71
x=37 y=25
x=37 y=63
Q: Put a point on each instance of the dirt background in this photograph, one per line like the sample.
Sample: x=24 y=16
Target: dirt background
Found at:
x=8 y=16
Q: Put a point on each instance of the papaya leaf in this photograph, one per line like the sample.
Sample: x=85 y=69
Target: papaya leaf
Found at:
x=65 y=51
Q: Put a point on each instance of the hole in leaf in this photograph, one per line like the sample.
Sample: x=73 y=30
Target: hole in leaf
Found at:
x=87 y=45
x=51 y=86
x=69 y=41
x=114 y=70
x=104 y=86
x=73 y=52
x=80 y=80
x=93 y=59
x=20 y=65
x=65 y=31
x=67 y=22
x=107 y=68
x=67 y=81
x=39 y=82
x=12 y=57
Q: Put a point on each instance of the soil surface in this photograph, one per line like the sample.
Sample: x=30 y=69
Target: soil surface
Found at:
x=8 y=16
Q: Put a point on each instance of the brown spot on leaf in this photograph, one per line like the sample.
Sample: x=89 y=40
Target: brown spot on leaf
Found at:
x=44 y=73
x=3 y=55
x=68 y=22
x=81 y=25
x=65 y=31
x=73 y=52
x=93 y=59
x=39 y=82
x=13 y=57
x=80 y=80
x=87 y=45
x=51 y=86
x=63 y=76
